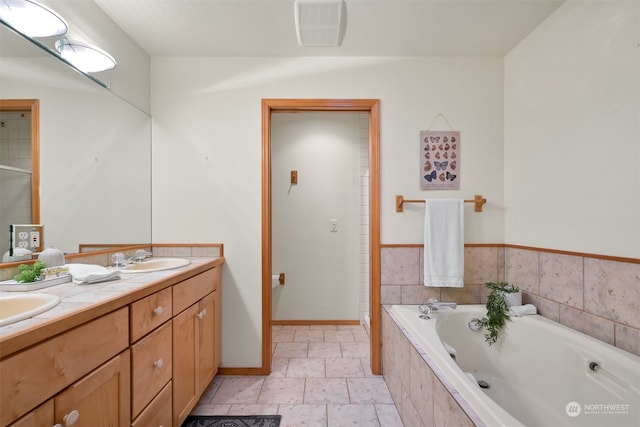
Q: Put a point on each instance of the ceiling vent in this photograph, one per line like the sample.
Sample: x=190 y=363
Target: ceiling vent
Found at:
x=320 y=22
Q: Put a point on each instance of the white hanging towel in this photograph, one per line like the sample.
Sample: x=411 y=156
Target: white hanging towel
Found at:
x=444 y=243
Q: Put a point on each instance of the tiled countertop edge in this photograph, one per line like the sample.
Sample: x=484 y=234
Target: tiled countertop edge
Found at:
x=82 y=303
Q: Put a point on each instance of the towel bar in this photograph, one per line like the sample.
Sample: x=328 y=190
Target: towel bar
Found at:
x=477 y=200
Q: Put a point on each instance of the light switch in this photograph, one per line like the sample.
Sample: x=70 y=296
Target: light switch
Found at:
x=294 y=177
x=333 y=227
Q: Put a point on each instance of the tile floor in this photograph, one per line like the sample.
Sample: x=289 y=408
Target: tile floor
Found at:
x=320 y=378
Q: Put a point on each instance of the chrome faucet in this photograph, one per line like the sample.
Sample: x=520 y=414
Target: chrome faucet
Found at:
x=434 y=304
x=139 y=256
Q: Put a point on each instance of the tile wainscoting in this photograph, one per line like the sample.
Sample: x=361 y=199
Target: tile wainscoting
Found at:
x=421 y=397
x=599 y=296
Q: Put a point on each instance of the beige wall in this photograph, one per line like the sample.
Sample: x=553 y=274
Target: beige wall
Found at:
x=207 y=158
x=542 y=190
x=572 y=131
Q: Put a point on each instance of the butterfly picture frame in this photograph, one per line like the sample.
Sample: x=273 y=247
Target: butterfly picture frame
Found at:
x=440 y=160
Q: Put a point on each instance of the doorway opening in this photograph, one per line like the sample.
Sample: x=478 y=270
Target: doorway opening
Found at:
x=19 y=164
x=372 y=108
x=320 y=217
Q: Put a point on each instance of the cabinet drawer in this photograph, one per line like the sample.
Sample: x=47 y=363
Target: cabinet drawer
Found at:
x=34 y=375
x=158 y=413
x=190 y=291
x=149 y=313
x=151 y=363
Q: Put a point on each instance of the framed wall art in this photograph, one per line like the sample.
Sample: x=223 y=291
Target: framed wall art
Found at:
x=440 y=154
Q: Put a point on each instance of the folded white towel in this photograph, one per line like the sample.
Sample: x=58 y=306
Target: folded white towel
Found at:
x=444 y=243
x=85 y=274
x=522 y=310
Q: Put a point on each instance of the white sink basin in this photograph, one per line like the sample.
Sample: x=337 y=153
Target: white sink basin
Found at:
x=157 y=264
x=14 y=308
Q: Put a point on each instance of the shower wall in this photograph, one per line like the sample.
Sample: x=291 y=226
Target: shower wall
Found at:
x=15 y=172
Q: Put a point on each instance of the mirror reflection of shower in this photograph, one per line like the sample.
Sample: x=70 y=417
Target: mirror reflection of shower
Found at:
x=15 y=172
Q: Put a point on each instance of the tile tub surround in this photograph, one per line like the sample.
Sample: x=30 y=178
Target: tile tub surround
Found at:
x=598 y=296
x=420 y=393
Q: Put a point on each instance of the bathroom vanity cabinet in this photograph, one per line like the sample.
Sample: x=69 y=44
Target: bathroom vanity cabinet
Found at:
x=144 y=363
x=100 y=398
x=194 y=346
x=76 y=371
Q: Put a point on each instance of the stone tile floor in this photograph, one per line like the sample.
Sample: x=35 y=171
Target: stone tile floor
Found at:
x=320 y=378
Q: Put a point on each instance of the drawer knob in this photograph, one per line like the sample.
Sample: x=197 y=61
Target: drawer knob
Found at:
x=158 y=310
x=158 y=363
x=202 y=314
x=71 y=418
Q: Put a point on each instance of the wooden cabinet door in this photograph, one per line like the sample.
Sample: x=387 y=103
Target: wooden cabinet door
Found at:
x=36 y=374
x=101 y=398
x=218 y=320
x=206 y=334
x=41 y=416
x=185 y=362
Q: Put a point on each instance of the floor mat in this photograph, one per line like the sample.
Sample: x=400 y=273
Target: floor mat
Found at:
x=232 y=421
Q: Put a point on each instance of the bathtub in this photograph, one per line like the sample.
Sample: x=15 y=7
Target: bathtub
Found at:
x=538 y=373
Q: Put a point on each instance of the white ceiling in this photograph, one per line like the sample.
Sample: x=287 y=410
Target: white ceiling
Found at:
x=374 y=27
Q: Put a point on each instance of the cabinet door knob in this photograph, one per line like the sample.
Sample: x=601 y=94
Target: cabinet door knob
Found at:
x=158 y=310
x=202 y=314
x=71 y=418
x=158 y=363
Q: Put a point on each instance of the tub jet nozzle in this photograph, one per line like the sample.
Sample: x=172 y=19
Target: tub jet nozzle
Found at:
x=475 y=324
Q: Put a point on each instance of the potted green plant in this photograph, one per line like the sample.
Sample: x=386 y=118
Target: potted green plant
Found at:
x=497 y=309
x=30 y=273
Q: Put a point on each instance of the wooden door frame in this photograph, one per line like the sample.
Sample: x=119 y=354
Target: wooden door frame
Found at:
x=31 y=106
x=372 y=107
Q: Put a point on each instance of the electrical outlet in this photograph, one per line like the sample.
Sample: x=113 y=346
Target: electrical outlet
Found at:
x=333 y=225
x=27 y=236
x=34 y=239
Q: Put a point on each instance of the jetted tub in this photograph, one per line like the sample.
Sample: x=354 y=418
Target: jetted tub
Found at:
x=539 y=373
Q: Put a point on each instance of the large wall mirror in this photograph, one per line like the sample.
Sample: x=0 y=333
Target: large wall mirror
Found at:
x=94 y=154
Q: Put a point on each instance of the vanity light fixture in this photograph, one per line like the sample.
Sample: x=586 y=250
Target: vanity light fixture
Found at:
x=32 y=18
x=85 y=57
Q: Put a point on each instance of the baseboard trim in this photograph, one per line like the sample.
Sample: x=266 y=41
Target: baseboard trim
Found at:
x=243 y=371
x=313 y=322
